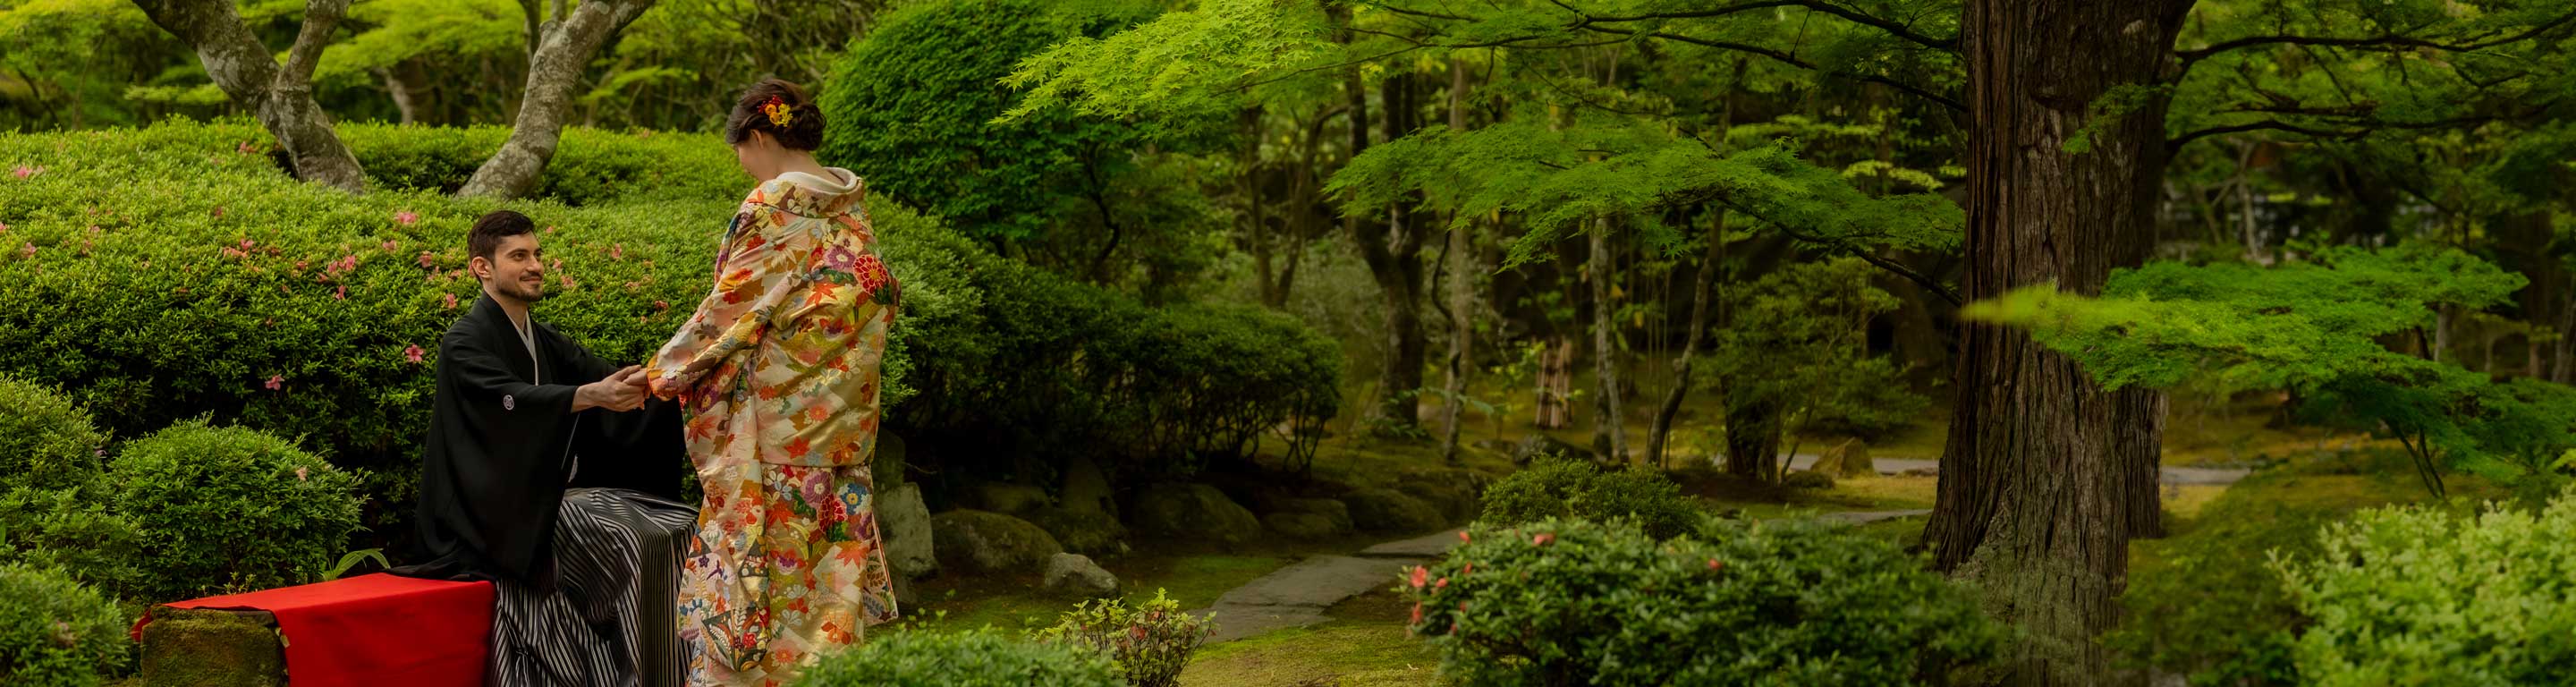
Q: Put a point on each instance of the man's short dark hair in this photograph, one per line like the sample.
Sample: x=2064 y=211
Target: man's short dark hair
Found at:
x=494 y=226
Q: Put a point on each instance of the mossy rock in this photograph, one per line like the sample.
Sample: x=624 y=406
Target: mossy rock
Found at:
x=1808 y=479
x=186 y=647
x=1308 y=526
x=1332 y=510
x=1388 y=510
x=982 y=541
x=1195 y=511
x=1088 y=532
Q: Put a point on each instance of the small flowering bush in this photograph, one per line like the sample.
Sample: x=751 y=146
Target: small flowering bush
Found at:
x=1565 y=602
x=46 y=440
x=225 y=508
x=2422 y=596
x=980 y=658
x=56 y=633
x=1553 y=487
x=1150 y=642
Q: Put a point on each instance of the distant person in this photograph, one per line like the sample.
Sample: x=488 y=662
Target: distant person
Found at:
x=539 y=480
x=777 y=374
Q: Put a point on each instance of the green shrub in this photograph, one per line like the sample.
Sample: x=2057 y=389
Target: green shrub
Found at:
x=980 y=658
x=226 y=509
x=2421 y=596
x=56 y=633
x=1553 y=487
x=212 y=275
x=46 y=440
x=2203 y=604
x=1562 y=602
x=1150 y=643
x=591 y=166
x=69 y=530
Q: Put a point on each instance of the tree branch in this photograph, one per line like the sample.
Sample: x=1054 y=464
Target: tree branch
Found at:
x=2389 y=40
x=1855 y=16
x=2175 y=144
x=321 y=17
x=1792 y=60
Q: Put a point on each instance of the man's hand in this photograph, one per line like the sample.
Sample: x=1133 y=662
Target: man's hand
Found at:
x=618 y=392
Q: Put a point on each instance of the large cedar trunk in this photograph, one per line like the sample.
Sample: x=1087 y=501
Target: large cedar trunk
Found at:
x=2047 y=477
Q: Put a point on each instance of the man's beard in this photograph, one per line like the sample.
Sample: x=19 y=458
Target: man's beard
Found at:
x=526 y=292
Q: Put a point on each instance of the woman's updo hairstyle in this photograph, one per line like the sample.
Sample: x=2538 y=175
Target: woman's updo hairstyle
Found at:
x=765 y=105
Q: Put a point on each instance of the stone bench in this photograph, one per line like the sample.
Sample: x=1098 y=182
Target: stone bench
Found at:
x=367 y=631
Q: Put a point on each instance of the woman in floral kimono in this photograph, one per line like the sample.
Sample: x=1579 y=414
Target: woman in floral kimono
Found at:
x=777 y=372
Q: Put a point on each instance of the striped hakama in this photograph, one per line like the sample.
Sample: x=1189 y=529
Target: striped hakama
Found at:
x=611 y=622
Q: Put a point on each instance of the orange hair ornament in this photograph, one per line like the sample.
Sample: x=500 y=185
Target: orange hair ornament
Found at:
x=779 y=113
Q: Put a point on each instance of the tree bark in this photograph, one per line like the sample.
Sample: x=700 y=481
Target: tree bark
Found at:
x=1697 y=333
x=1393 y=253
x=2046 y=477
x=1752 y=436
x=280 y=97
x=402 y=95
x=1463 y=268
x=1609 y=433
x=554 y=70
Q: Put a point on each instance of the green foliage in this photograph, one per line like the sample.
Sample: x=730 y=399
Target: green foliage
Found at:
x=913 y=108
x=207 y=273
x=1560 y=602
x=55 y=632
x=228 y=509
x=1150 y=643
x=2203 y=604
x=2312 y=328
x=73 y=531
x=980 y=658
x=1552 y=488
x=46 y=440
x=2420 y=596
x=1797 y=342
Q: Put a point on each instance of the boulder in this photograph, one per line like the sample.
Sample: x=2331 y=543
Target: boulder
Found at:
x=905 y=524
x=1388 y=510
x=887 y=465
x=1808 y=479
x=1083 y=531
x=1456 y=494
x=1335 y=512
x=981 y=541
x=1073 y=573
x=1847 y=459
x=1086 y=487
x=1303 y=525
x=188 y=647
x=1934 y=471
x=1195 y=511
x=1010 y=499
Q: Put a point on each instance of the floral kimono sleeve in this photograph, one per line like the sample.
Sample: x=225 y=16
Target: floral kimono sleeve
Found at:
x=757 y=271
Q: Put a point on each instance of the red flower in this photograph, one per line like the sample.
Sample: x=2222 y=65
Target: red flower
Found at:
x=1417 y=613
x=1443 y=584
x=342 y=293
x=451 y=301
x=392 y=245
x=247 y=243
x=1542 y=539
x=219 y=211
x=412 y=352
x=276 y=382
x=1470 y=570
x=406 y=217
x=1462 y=537
x=26 y=171
x=661 y=305
x=566 y=280
x=1419 y=574
x=426 y=262
x=300 y=473
x=1713 y=564
x=617 y=251
x=29 y=250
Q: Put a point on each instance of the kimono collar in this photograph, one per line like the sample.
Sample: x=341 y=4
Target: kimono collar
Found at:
x=798 y=193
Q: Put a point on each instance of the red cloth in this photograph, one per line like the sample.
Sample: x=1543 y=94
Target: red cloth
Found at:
x=376 y=630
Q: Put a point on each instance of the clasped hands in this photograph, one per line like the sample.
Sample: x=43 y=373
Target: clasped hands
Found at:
x=626 y=390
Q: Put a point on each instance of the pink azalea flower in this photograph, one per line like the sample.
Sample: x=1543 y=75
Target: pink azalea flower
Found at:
x=661 y=305
x=406 y=217
x=342 y=293
x=299 y=474
x=617 y=250
x=426 y=260
x=1542 y=539
x=1419 y=573
x=451 y=301
x=26 y=171
x=1469 y=570
x=246 y=148
x=1462 y=536
x=392 y=245
x=4 y=227
x=412 y=352
x=1442 y=584
x=1714 y=565
x=566 y=280
x=276 y=382
x=550 y=229
x=219 y=211
x=1417 y=613
x=247 y=243
x=29 y=250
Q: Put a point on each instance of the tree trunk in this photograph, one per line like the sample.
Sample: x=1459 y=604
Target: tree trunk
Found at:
x=1609 y=433
x=280 y=97
x=2046 y=477
x=554 y=71
x=1463 y=268
x=401 y=92
x=1691 y=339
x=1393 y=252
x=1752 y=436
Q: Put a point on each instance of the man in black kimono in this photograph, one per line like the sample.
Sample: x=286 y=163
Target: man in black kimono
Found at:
x=549 y=474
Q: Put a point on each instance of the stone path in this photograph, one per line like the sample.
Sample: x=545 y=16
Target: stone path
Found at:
x=1296 y=596
x=2170 y=475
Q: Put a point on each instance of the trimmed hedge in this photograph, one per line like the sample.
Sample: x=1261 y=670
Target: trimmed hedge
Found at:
x=979 y=658
x=46 y=440
x=169 y=272
x=2427 y=595
x=56 y=633
x=227 y=509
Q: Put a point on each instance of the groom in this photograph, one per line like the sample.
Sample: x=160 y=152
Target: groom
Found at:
x=541 y=478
